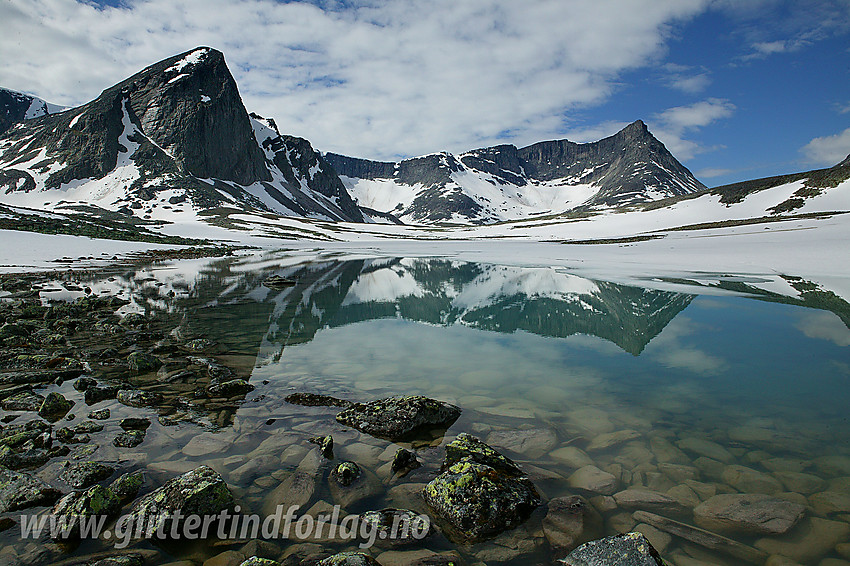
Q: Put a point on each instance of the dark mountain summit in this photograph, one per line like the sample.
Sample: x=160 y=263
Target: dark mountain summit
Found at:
x=178 y=126
x=630 y=167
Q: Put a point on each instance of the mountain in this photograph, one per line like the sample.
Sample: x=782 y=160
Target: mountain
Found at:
x=172 y=141
x=17 y=107
x=508 y=183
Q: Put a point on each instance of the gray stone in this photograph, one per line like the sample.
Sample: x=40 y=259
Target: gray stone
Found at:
x=630 y=549
x=748 y=480
x=83 y=474
x=592 y=479
x=751 y=514
x=19 y=490
x=531 y=442
x=646 y=500
x=398 y=418
x=570 y=522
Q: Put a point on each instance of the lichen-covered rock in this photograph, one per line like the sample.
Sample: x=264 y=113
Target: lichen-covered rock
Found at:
x=349 y=559
x=316 y=400
x=122 y=560
x=100 y=414
x=257 y=561
x=345 y=473
x=87 y=427
x=24 y=459
x=396 y=527
x=468 y=446
x=129 y=439
x=404 y=462
x=54 y=406
x=143 y=362
x=398 y=418
x=83 y=474
x=350 y=484
x=126 y=486
x=23 y=401
x=480 y=495
x=96 y=500
x=630 y=549
x=138 y=398
x=20 y=490
x=230 y=388
x=201 y=491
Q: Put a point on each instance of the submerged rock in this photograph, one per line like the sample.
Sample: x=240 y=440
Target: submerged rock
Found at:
x=230 y=388
x=481 y=493
x=630 y=549
x=748 y=514
x=569 y=522
x=397 y=527
x=20 y=490
x=143 y=362
x=135 y=423
x=95 y=395
x=398 y=418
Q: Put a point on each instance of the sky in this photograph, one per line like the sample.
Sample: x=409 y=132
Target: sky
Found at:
x=736 y=89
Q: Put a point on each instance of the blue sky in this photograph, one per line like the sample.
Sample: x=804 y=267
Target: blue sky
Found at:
x=736 y=89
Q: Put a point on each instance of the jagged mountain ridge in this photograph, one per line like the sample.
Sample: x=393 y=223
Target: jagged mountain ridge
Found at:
x=505 y=182
x=173 y=136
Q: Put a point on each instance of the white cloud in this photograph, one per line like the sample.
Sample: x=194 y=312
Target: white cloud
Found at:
x=824 y=326
x=690 y=84
x=367 y=77
x=671 y=125
x=828 y=150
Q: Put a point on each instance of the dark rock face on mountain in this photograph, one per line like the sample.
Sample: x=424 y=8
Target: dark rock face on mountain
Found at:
x=179 y=126
x=629 y=167
x=17 y=107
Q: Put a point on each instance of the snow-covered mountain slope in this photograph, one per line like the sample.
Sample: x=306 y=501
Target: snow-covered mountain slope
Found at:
x=506 y=183
x=17 y=107
x=172 y=143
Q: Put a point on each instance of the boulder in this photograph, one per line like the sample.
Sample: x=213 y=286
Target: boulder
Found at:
x=54 y=406
x=399 y=418
x=630 y=549
x=593 y=480
x=201 y=491
x=19 y=490
x=138 y=398
x=142 y=362
x=480 y=495
x=83 y=474
x=96 y=500
x=751 y=514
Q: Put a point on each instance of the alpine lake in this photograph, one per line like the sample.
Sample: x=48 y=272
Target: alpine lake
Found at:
x=644 y=398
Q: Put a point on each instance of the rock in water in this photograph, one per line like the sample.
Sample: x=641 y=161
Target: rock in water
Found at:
x=630 y=549
x=349 y=559
x=54 y=406
x=317 y=400
x=570 y=521
x=481 y=494
x=20 y=490
x=96 y=500
x=201 y=491
x=748 y=514
x=398 y=418
x=84 y=474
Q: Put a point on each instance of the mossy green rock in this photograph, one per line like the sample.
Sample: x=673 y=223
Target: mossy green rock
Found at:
x=478 y=501
x=129 y=439
x=54 y=405
x=127 y=486
x=468 y=446
x=96 y=500
x=201 y=491
x=230 y=388
x=143 y=362
x=23 y=401
x=257 y=561
x=398 y=418
x=349 y=559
